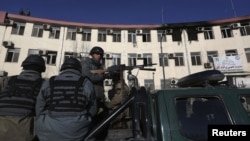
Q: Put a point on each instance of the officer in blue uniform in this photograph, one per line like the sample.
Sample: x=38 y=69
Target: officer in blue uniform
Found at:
x=65 y=105
x=89 y=66
x=18 y=99
x=94 y=69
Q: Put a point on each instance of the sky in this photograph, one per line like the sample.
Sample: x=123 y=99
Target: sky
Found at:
x=130 y=11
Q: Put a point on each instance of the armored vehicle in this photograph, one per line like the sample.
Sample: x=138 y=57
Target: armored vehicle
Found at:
x=179 y=114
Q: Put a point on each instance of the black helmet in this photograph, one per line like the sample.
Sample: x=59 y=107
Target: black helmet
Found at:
x=97 y=50
x=72 y=63
x=34 y=62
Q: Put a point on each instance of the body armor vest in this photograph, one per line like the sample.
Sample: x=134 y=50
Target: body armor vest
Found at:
x=66 y=97
x=20 y=96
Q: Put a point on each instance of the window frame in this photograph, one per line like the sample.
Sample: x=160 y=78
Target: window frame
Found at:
x=37 y=31
x=195 y=58
x=12 y=55
x=18 y=29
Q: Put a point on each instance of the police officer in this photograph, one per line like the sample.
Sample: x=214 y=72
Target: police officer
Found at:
x=94 y=69
x=18 y=98
x=65 y=105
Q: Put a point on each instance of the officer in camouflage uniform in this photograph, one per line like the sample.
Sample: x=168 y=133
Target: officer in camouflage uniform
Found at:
x=117 y=95
x=65 y=105
x=17 y=101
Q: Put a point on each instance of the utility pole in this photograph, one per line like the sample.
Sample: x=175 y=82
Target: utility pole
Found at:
x=153 y=80
x=162 y=59
x=184 y=32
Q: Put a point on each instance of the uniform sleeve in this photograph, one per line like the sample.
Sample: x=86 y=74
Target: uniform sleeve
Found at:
x=90 y=92
x=119 y=97
x=40 y=101
x=116 y=100
x=86 y=71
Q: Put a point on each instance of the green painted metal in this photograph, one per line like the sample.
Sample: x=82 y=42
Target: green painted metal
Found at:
x=165 y=121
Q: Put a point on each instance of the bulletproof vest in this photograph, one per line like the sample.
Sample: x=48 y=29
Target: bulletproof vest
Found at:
x=19 y=97
x=66 y=97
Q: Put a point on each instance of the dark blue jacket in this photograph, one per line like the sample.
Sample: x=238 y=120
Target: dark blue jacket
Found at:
x=97 y=78
x=50 y=127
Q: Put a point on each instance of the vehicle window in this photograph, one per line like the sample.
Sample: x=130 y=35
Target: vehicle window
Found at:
x=245 y=101
x=196 y=113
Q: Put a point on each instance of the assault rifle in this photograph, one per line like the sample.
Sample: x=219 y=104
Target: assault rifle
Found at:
x=115 y=73
x=118 y=70
x=132 y=79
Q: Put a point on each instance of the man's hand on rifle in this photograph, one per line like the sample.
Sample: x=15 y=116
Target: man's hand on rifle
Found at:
x=114 y=68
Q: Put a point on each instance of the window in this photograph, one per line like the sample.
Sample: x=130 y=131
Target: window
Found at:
x=176 y=35
x=196 y=58
x=226 y=31
x=196 y=113
x=149 y=84
x=33 y=51
x=131 y=36
x=37 y=31
x=71 y=34
x=247 y=51
x=51 y=57
x=116 y=36
x=245 y=101
x=68 y=55
x=163 y=59
x=147 y=58
x=84 y=56
x=116 y=60
x=54 y=33
x=161 y=34
x=131 y=59
x=179 y=61
x=86 y=35
x=210 y=55
x=245 y=29
x=232 y=52
x=18 y=29
x=192 y=34
x=146 y=36
x=102 y=34
x=208 y=33
x=12 y=55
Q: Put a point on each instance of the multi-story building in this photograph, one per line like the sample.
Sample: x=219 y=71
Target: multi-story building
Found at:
x=176 y=49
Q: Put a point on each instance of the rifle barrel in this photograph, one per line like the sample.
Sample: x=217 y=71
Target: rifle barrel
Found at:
x=148 y=69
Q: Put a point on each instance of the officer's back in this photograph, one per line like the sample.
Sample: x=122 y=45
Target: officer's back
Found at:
x=18 y=98
x=65 y=105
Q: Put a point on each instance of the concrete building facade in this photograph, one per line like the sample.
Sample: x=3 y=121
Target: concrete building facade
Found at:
x=175 y=50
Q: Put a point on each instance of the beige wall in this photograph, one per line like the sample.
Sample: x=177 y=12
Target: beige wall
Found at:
x=124 y=48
